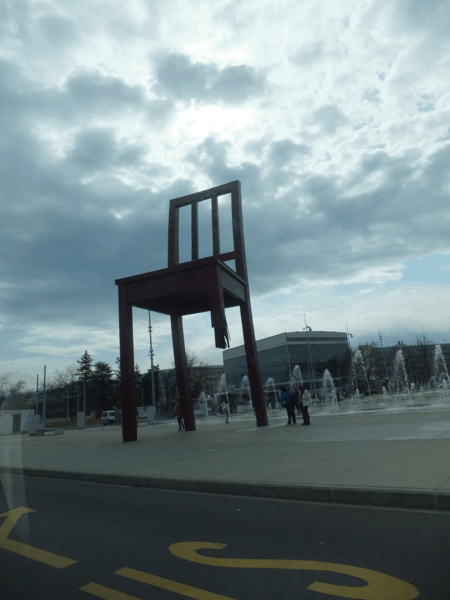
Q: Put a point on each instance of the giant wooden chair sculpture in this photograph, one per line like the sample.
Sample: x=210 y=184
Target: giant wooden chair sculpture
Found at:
x=192 y=287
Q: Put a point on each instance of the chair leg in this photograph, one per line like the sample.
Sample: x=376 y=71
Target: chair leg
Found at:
x=182 y=372
x=254 y=374
x=128 y=386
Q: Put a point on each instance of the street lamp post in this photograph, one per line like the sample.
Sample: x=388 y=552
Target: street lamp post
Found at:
x=313 y=378
x=289 y=362
x=382 y=352
x=44 y=405
x=349 y=335
x=84 y=394
x=151 y=359
x=36 y=410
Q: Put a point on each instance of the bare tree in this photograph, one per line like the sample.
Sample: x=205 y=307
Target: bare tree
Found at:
x=340 y=368
x=371 y=356
x=197 y=368
x=424 y=352
x=20 y=397
x=169 y=385
x=4 y=386
x=67 y=382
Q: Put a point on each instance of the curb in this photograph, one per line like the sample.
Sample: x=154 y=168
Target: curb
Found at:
x=379 y=497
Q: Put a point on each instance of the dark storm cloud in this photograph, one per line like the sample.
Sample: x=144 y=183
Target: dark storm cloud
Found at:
x=84 y=96
x=415 y=15
x=178 y=77
x=283 y=152
x=212 y=157
x=330 y=118
x=69 y=269
x=22 y=164
x=61 y=247
x=57 y=30
x=97 y=148
x=37 y=184
x=89 y=93
x=93 y=92
x=326 y=228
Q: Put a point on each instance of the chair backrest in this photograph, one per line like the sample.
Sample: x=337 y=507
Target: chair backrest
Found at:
x=238 y=252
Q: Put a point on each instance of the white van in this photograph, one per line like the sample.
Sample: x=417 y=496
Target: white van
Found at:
x=108 y=416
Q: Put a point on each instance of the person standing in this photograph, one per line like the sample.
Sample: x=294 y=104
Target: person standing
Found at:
x=179 y=415
x=226 y=409
x=301 y=391
x=304 y=404
x=288 y=400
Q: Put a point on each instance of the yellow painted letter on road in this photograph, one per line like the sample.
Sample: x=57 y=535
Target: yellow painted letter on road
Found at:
x=106 y=593
x=378 y=585
x=48 y=558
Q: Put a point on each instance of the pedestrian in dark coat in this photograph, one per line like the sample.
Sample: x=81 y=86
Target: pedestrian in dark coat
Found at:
x=301 y=390
x=288 y=401
x=179 y=415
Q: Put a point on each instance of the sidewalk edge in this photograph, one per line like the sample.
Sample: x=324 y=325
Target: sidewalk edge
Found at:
x=381 y=497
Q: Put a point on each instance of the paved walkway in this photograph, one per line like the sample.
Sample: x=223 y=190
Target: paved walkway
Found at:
x=397 y=459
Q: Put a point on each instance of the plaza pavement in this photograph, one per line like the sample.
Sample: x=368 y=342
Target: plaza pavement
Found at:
x=395 y=460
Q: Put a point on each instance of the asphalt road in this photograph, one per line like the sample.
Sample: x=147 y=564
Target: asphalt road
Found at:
x=113 y=542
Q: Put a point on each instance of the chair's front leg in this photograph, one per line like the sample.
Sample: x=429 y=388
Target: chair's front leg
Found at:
x=182 y=373
x=128 y=386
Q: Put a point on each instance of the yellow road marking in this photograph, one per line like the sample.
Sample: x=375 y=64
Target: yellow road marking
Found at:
x=172 y=586
x=379 y=586
x=107 y=593
x=48 y=558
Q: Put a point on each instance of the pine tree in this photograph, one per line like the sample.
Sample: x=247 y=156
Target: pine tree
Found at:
x=117 y=372
x=102 y=380
x=85 y=371
x=85 y=367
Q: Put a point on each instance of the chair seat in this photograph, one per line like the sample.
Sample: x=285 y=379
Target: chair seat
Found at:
x=186 y=289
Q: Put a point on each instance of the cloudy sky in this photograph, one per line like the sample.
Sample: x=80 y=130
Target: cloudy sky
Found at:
x=335 y=117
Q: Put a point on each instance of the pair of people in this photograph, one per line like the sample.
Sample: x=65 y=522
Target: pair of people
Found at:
x=296 y=399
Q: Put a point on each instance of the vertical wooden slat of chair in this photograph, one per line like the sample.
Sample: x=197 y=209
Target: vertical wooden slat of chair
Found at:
x=215 y=225
x=238 y=230
x=173 y=253
x=194 y=231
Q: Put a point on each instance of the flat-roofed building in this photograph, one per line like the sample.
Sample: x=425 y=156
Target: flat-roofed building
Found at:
x=279 y=354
